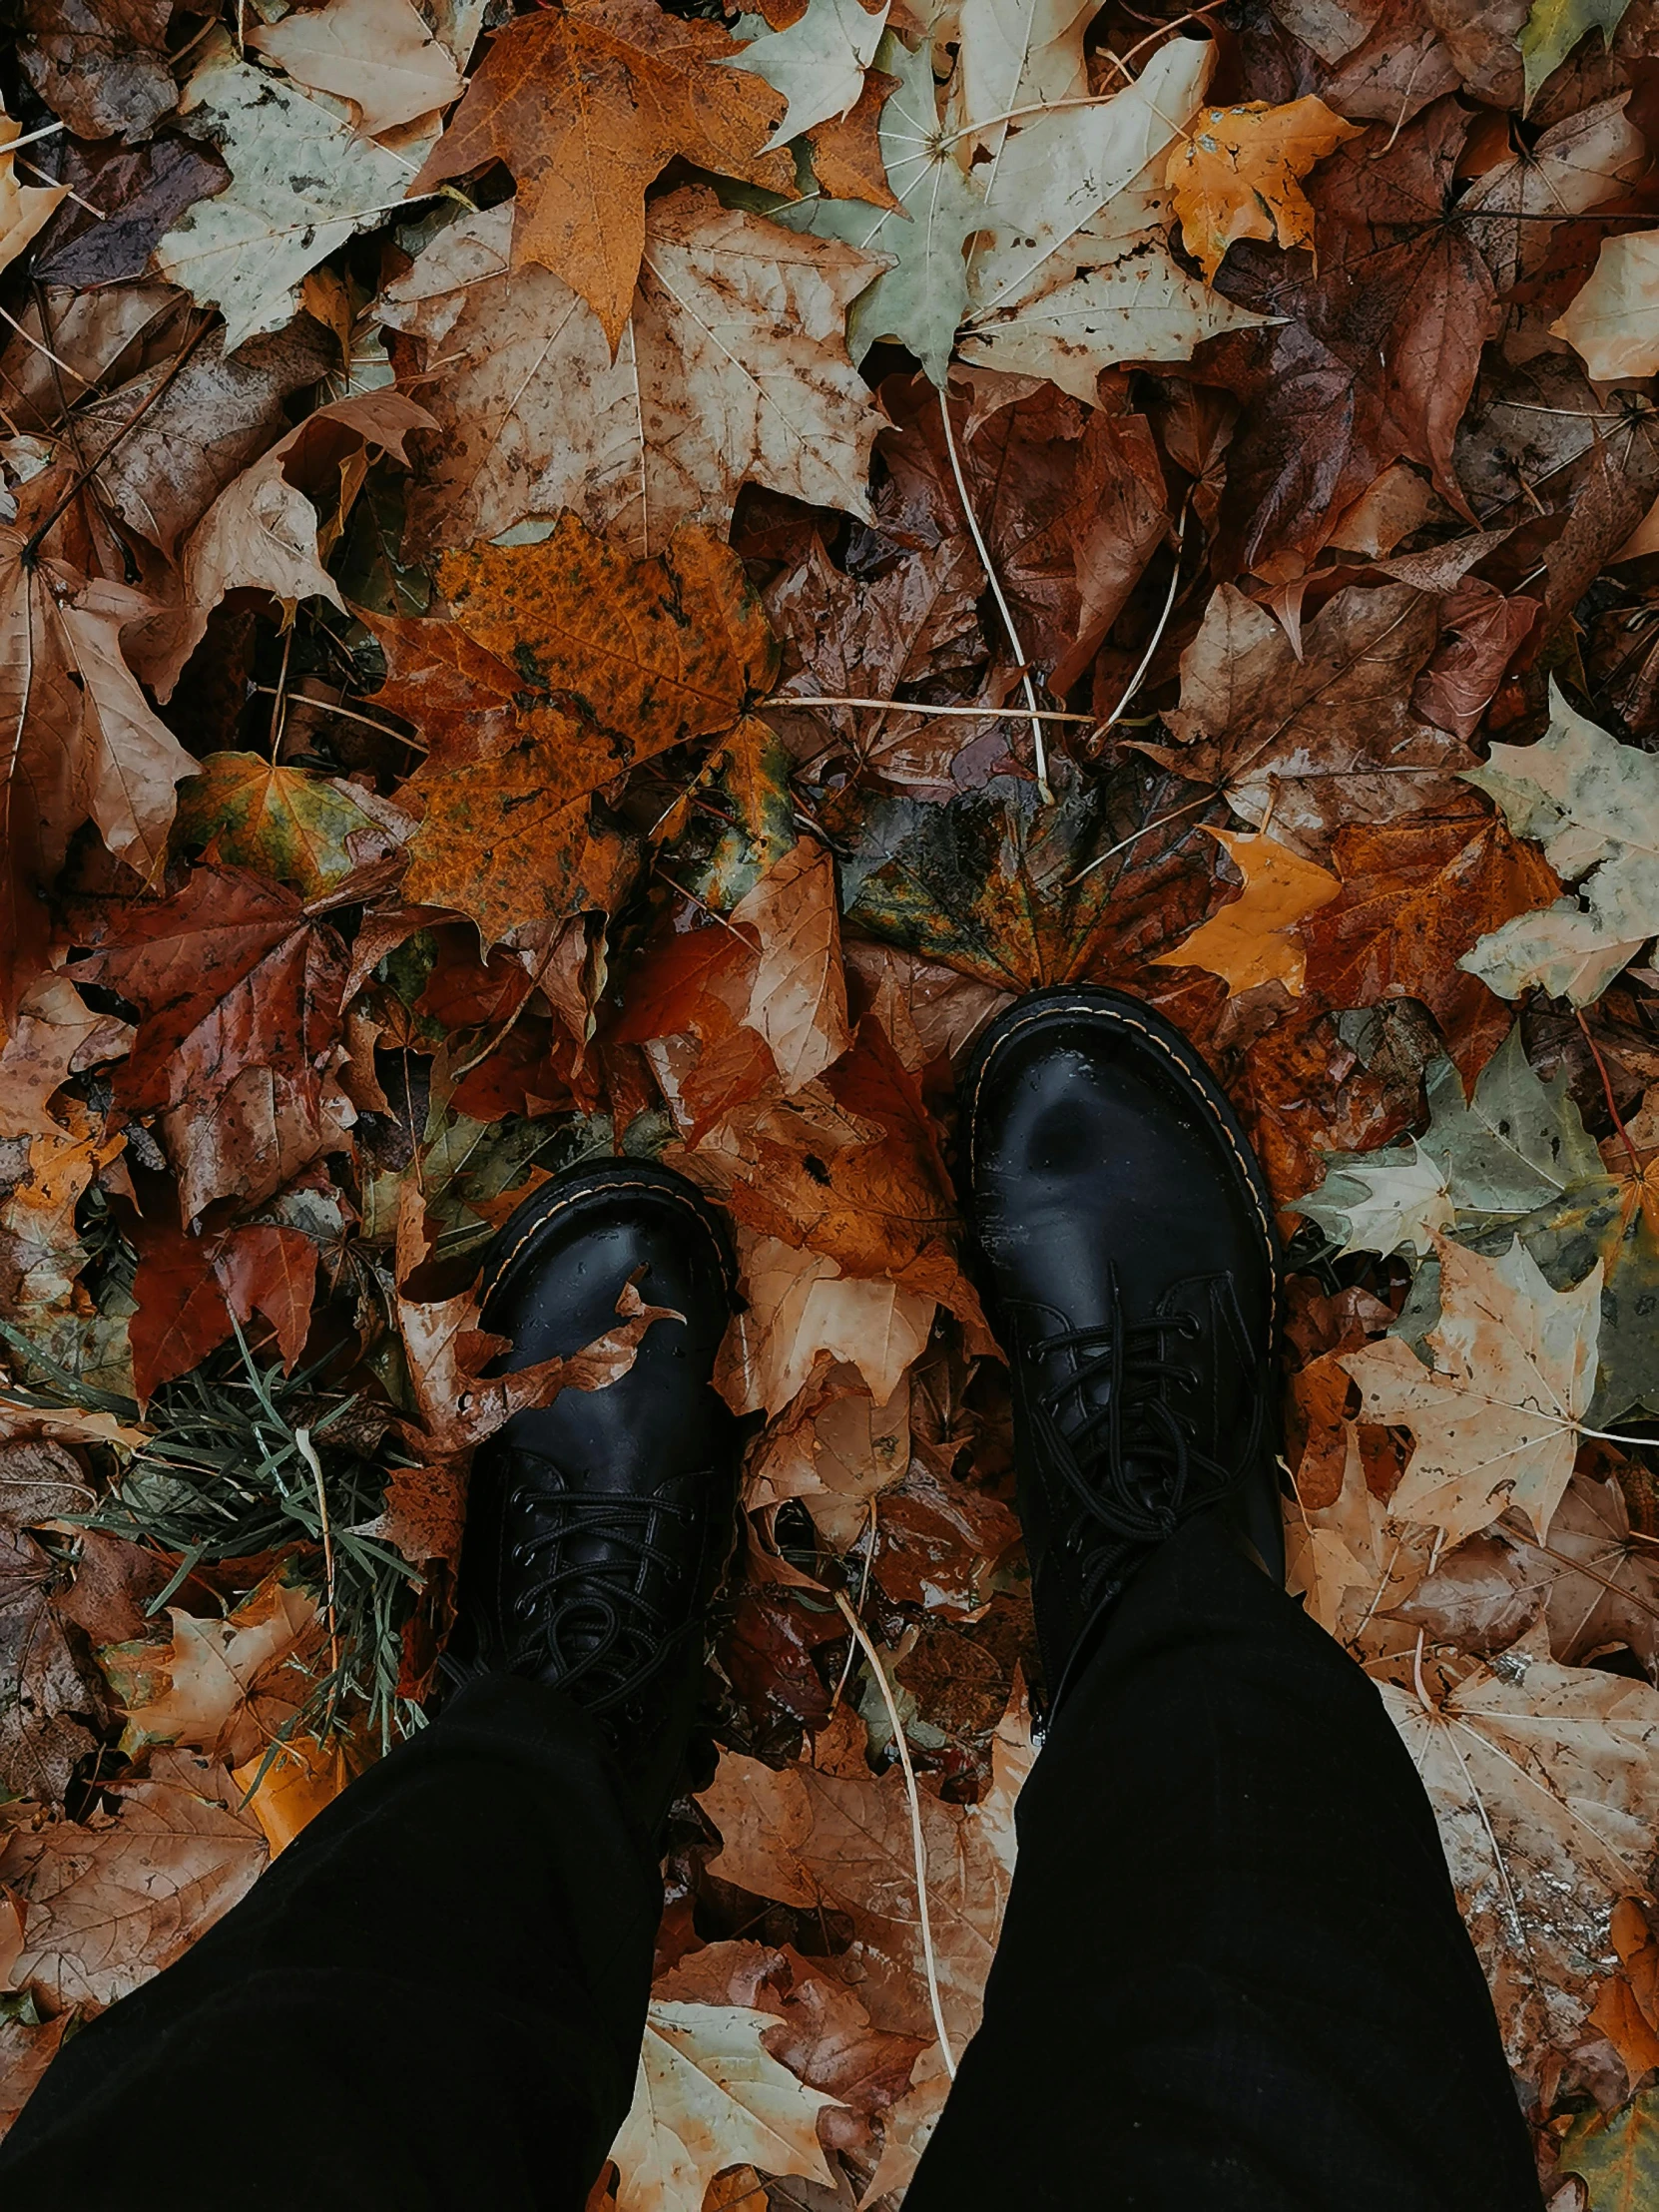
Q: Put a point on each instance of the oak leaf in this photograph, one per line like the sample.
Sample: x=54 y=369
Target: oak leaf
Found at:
x=586 y=104
x=1235 y=175
x=1249 y=940
x=378 y=54
x=1495 y=1420
x=731 y=367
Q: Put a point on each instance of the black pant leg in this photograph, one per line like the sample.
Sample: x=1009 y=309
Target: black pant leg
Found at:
x=1233 y=1976
x=432 y=2001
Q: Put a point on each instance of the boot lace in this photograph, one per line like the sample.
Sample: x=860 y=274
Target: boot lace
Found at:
x=1123 y=1448
x=590 y=1617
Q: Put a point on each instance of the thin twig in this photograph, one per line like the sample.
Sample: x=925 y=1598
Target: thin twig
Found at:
x=1156 y=640
x=869 y=1652
x=864 y=1592
x=1003 y=606
x=921 y=707
x=346 y=714
x=47 y=130
x=500 y=1037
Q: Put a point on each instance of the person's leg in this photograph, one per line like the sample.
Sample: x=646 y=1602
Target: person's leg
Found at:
x=434 y=2000
x=1232 y=1974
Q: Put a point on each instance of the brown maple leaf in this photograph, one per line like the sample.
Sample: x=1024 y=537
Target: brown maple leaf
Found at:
x=241 y=1000
x=586 y=104
x=188 y=1287
x=82 y=741
x=50 y=1696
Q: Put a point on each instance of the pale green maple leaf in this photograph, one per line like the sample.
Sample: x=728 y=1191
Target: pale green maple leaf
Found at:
x=1384 y=1202
x=919 y=302
x=301 y=183
x=1555 y=27
x=818 y=63
x=1593 y=804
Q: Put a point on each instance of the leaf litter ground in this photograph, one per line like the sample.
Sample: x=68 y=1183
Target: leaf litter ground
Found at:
x=616 y=580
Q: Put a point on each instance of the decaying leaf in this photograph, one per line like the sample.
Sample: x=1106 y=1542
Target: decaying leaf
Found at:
x=203 y=1686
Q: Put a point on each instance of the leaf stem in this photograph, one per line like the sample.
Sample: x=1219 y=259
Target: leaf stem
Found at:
x=1002 y=606
x=917 y=1843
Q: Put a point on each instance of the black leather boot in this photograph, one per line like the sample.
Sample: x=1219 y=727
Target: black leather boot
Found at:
x=1125 y=1241
x=597 y=1527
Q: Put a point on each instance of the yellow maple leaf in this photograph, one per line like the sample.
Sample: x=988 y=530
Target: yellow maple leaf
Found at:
x=1235 y=175
x=1250 y=942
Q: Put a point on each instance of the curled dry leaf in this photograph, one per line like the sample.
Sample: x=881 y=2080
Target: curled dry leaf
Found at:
x=219 y=1686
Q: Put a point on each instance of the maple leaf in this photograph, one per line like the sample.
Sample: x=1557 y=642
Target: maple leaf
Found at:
x=652 y=650
x=1554 y=27
x=1415 y=895
x=241 y=1002
x=798 y=1000
x=282 y=821
x=1616 y=2154
x=709 y=2095
x=818 y=63
x=107 y=1907
x=203 y=1685
x=1593 y=804
x=54 y=1036
x=1235 y=175
x=378 y=54
x=301 y=183
x=1542 y=1781
x=1613 y=321
x=1495 y=1420
x=586 y=104
x=1320 y=740
x=1248 y=941
x=800 y=1309
x=188 y=1287
x=920 y=300
x=731 y=367
x=49 y=1696
x=288 y=1785
x=84 y=741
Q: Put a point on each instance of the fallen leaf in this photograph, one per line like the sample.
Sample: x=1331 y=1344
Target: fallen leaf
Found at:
x=239 y=995
x=1250 y=942
x=54 y=1036
x=1235 y=175
x=818 y=63
x=301 y=184
x=203 y=1686
x=1616 y=2154
x=706 y=2096
x=1613 y=323
x=104 y=73
x=798 y=997
x=109 y=1905
x=139 y=192
x=1593 y=804
x=800 y=1308
x=378 y=54
x=283 y=822
x=24 y=209
x=86 y=742
x=1554 y=27
x=1541 y=1778
x=1495 y=1420
x=49 y=1698
x=652 y=650
x=286 y=1792
x=188 y=1287
x=1354 y=1563
x=731 y=367
x=586 y=106
x=1320 y=741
